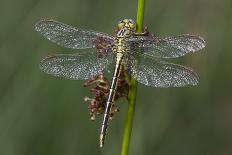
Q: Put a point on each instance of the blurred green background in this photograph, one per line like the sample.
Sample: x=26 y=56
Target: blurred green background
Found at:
x=43 y=115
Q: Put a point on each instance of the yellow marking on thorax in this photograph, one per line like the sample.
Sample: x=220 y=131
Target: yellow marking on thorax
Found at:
x=120 y=45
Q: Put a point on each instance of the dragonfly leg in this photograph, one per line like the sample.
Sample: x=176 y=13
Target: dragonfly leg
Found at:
x=144 y=33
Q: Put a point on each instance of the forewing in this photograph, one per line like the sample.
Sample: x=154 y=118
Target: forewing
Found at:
x=169 y=47
x=70 y=37
x=157 y=73
x=79 y=66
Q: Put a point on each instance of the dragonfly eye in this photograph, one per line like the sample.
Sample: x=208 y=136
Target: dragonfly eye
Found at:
x=132 y=24
x=132 y=21
x=121 y=24
x=120 y=21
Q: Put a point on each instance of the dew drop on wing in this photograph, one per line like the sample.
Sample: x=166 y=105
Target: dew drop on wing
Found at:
x=157 y=73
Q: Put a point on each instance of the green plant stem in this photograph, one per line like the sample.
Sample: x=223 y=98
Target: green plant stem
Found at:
x=140 y=16
x=133 y=89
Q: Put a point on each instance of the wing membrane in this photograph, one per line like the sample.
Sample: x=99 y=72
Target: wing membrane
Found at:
x=79 y=66
x=70 y=37
x=157 y=73
x=169 y=47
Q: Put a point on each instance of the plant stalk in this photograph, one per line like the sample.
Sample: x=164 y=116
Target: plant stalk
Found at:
x=133 y=89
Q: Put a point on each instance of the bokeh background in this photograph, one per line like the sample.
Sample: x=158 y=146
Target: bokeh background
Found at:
x=43 y=115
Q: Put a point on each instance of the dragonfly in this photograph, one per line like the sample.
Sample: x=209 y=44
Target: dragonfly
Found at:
x=143 y=56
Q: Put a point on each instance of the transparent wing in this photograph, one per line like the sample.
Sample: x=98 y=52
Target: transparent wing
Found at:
x=169 y=47
x=157 y=73
x=79 y=66
x=70 y=37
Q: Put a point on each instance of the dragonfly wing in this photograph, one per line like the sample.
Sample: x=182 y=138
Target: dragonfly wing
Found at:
x=169 y=47
x=70 y=37
x=157 y=73
x=79 y=66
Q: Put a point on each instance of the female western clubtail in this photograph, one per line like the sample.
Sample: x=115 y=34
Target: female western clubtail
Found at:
x=142 y=55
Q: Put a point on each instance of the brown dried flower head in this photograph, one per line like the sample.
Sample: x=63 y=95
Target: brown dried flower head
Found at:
x=99 y=86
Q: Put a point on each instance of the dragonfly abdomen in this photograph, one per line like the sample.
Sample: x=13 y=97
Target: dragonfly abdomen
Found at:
x=111 y=97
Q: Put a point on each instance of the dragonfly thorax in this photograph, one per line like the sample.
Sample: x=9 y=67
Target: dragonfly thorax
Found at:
x=124 y=33
x=120 y=45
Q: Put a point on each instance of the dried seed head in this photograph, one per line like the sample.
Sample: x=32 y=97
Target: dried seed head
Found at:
x=99 y=87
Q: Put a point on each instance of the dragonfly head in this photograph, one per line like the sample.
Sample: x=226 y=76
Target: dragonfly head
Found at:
x=128 y=24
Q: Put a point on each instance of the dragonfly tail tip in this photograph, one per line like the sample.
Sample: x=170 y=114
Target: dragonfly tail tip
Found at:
x=101 y=140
